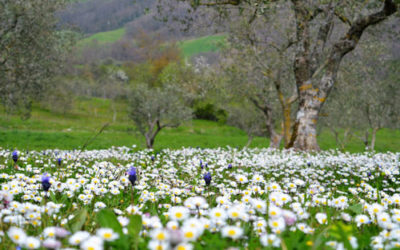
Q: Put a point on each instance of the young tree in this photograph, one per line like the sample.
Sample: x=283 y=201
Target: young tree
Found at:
x=318 y=54
x=31 y=50
x=247 y=118
x=153 y=109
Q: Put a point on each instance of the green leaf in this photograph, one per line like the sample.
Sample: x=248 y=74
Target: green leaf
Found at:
x=106 y=218
x=53 y=197
x=78 y=221
x=357 y=208
x=134 y=227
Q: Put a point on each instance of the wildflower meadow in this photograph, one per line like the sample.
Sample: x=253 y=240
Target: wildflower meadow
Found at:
x=225 y=198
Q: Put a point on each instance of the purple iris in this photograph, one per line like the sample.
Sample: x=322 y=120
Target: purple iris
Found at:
x=207 y=178
x=152 y=158
x=59 y=161
x=230 y=166
x=46 y=182
x=15 y=156
x=132 y=175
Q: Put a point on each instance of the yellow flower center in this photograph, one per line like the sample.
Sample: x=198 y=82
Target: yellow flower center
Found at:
x=160 y=236
x=178 y=215
x=231 y=232
x=189 y=234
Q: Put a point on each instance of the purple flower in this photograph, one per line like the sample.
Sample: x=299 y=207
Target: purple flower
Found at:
x=207 y=178
x=132 y=175
x=61 y=232
x=230 y=166
x=46 y=182
x=51 y=243
x=15 y=156
x=59 y=161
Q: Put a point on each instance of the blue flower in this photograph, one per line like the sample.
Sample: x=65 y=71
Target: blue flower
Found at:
x=207 y=178
x=132 y=175
x=46 y=182
x=15 y=156
x=59 y=161
x=230 y=166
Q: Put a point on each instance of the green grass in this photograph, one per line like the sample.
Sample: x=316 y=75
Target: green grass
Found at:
x=189 y=47
x=201 y=45
x=46 y=129
x=103 y=37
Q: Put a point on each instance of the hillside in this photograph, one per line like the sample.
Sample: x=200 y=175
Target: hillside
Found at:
x=189 y=47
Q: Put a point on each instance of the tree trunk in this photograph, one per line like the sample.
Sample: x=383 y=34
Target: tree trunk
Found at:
x=249 y=140
x=373 y=140
x=287 y=124
x=275 y=140
x=315 y=77
x=305 y=130
x=149 y=141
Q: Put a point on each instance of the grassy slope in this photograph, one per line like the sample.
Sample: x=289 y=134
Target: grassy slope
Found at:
x=49 y=130
x=103 y=37
x=200 y=45
x=189 y=47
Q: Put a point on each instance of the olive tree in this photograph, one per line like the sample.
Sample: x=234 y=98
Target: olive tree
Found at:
x=31 y=50
x=247 y=118
x=319 y=47
x=155 y=108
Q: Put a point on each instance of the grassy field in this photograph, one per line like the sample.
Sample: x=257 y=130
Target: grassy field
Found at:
x=103 y=37
x=69 y=131
x=189 y=47
x=201 y=45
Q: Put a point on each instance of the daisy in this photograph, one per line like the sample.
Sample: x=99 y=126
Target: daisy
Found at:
x=32 y=243
x=270 y=240
x=17 y=235
x=184 y=246
x=321 y=218
x=232 y=232
x=361 y=219
x=92 y=243
x=159 y=235
x=277 y=225
x=78 y=237
x=107 y=234
x=218 y=214
x=178 y=213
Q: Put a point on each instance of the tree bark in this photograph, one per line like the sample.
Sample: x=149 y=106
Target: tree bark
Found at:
x=275 y=138
x=373 y=139
x=315 y=79
x=249 y=140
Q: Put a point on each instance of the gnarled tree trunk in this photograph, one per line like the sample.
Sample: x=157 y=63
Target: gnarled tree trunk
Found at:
x=315 y=77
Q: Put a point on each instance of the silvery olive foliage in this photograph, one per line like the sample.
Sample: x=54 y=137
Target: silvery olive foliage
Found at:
x=155 y=108
x=324 y=32
x=31 y=50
